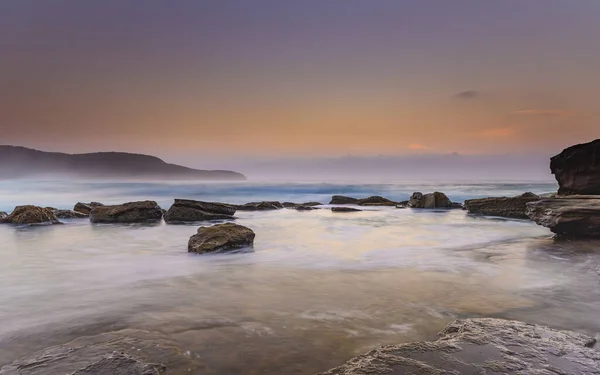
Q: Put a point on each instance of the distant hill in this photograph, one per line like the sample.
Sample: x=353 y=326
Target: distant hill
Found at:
x=18 y=162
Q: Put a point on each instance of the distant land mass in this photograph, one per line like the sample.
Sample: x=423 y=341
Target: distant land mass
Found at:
x=22 y=162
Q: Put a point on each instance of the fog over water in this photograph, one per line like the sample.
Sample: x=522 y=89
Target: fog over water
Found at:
x=317 y=288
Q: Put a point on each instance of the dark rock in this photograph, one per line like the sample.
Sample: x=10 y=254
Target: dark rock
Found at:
x=294 y=205
x=220 y=237
x=431 y=200
x=483 y=346
x=305 y=208
x=132 y=212
x=577 y=169
x=340 y=199
x=259 y=206
x=31 y=215
x=185 y=210
x=86 y=208
x=573 y=216
x=513 y=207
x=457 y=205
x=51 y=208
x=3 y=215
x=375 y=201
x=344 y=209
x=68 y=214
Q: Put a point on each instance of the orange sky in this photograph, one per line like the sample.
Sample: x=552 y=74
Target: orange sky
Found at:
x=364 y=78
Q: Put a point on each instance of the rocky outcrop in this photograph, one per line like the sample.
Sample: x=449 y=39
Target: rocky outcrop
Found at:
x=573 y=216
x=577 y=169
x=294 y=205
x=303 y=207
x=86 y=208
x=344 y=209
x=341 y=199
x=260 y=206
x=375 y=201
x=68 y=214
x=132 y=212
x=430 y=200
x=185 y=210
x=23 y=215
x=512 y=207
x=221 y=237
x=483 y=346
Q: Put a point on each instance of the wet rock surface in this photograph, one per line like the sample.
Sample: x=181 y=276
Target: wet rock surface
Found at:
x=577 y=169
x=185 y=210
x=221 y=237
x=375 y=201
x=132 y=212
x=69 y=214
x=345 y=209
x=259 y=206
x=86 y=208
x=573 y=216
x=512 y=207
x=23 y=215
x=294 y=205
x=430 y=200
x=483 y=346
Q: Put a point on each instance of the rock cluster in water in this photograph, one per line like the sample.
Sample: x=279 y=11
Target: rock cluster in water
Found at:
x=430 y=200
x=221 y=237
x=483 y=346
x=30 y=215
x=132 y=212
x=512 y=207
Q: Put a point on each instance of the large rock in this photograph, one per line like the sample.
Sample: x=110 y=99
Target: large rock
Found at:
x=344 y=209
x=430 y=200
x=375 y=201
x=341 y=199
x=483 y=346
x=86 y=208
x=220 y=237
x=577 y=169
x=30 y=215
x=185 y=210
x=574 y=216
x=513 y=207
x=260 y=206
x=69 y=214
x=132 y=212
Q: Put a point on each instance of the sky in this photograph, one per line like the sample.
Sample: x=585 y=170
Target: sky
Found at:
x=269 y=79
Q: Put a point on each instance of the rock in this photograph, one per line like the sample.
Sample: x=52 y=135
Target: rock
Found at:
x=121 y=364
x=3 y=215
x=573 y=216
x=31 y=215
x=259 y=206
x=340 y=199
x=294 y=205
x=305 y=208
x=513 y=207
x=344 y=209
x=577 y=169
x=185 y=210
x=68 y=214
x=375 y=201
x=132 y=212
x=483 y=346
x=51 y=208
x=431 y=200
x=457 y=205
x=220 y=237
x=86 y=208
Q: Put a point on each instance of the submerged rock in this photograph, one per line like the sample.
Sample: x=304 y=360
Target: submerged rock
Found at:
x=577 y=169
x=220 y=237
x=305 y=208
x=513 y=207
x=430 y=200
x=294 y=205
x=574 y=216
x=260 y=206
x=483 y=346
x=132 y=212
x=376 y=201
x=341 y=199
x=68 y=214
x=185 y=210
x=30 y=215
x=344 y=209
x=86 y=208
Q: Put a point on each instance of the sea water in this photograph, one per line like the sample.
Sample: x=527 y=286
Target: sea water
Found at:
x=316 y=289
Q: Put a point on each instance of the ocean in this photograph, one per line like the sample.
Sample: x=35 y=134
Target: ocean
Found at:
x=316 y=289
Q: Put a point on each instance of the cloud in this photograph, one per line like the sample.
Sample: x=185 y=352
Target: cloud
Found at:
x=542 y=112
x=467 y=95
x=496 y=133
x=417 y=146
